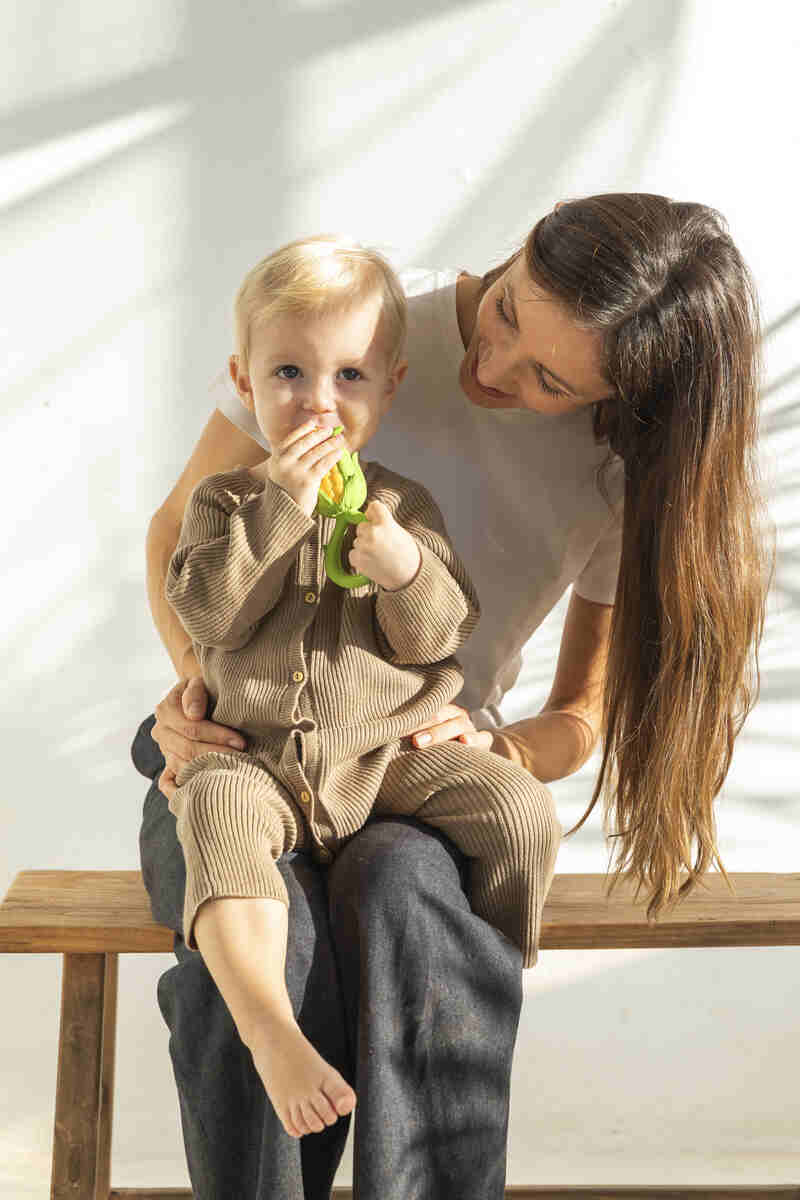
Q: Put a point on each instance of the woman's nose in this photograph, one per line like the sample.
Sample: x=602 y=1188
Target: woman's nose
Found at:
x=493 y=365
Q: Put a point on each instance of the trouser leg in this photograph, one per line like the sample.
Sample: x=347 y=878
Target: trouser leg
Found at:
x=433 y=995
x=236 y=1147
x=234 y=819
x=498 y=815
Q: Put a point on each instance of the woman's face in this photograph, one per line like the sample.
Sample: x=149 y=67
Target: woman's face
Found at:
x=526 y=352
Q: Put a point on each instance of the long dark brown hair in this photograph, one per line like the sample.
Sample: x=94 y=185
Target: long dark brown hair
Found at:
x=679 y=314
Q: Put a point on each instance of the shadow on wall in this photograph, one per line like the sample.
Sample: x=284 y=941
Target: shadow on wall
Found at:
x=781 y=415
x=227 y=99
x=780 y=419
x=566 y=116
x=231 y=84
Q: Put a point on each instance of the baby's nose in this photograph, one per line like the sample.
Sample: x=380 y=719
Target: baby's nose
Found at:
x=323 y=398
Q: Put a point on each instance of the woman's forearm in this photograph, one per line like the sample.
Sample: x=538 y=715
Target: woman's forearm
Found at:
x=550 y=745
x=162 y=538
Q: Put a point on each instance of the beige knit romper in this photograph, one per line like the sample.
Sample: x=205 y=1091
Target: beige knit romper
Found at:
x=327 y=683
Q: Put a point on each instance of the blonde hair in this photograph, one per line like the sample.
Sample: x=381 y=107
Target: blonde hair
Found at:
x=315 y=276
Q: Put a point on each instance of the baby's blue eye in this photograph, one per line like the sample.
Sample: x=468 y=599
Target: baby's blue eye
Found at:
x=351 y=374
x=288 y=367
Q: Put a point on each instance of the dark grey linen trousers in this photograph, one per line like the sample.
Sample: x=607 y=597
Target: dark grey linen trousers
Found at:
x=413 y=998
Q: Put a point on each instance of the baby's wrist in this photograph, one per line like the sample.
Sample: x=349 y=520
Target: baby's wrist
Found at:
x=189 y=666
x=409 y=575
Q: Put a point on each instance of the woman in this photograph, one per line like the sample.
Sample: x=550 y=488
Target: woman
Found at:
x=629 y=324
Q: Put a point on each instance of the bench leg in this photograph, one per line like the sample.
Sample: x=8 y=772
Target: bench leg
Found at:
x=85 y=1083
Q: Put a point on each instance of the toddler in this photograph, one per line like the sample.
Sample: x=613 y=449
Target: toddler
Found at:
x=327 y=682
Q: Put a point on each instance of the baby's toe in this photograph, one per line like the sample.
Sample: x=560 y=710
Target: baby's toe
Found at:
x=325 y=1109
x=341 y=1096
x=312 y=1117
x=297 y=1119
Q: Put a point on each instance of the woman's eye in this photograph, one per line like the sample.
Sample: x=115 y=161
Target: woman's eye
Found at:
x=292 y=371
x=501 y=312
x=351 y=374
x=547 y=388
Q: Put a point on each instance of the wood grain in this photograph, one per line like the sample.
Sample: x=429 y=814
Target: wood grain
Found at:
x=109 y=912
x=92 y=916
x=75 y=1138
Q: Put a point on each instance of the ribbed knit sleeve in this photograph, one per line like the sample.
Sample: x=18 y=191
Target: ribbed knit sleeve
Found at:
x=433 y=615
x=239 y=538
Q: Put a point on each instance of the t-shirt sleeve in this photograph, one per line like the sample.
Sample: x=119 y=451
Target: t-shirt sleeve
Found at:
x=598 y=579
x=225 y=399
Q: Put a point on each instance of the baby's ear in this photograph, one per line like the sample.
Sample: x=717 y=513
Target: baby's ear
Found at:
x=240 y=382
x=396 y=376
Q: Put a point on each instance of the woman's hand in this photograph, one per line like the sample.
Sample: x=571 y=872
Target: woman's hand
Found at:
x=451 y=722
x=182 y=732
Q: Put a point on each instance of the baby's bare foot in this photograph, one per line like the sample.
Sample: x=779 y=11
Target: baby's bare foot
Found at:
x=306 y=1092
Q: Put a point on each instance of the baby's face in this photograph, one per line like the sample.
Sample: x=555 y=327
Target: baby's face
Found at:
x=332 y=367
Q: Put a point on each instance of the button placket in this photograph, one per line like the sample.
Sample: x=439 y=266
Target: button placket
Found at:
x=311 y=570
x=306 y=573
x=300 y=764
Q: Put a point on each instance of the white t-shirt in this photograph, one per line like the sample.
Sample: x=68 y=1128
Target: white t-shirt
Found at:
x=517 y=489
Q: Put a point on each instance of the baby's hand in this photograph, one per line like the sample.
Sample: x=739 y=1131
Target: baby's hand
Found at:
x=301 y=461
x=383 y=550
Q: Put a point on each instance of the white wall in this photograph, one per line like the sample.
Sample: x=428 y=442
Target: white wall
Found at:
x=152 y=150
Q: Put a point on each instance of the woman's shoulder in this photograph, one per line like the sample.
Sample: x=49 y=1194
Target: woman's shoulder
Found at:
x=229 y=488
x=419 y=282
x=434 y=347
x=381 y=478
x=610 y=481
x=224 y=399
x=430 y=298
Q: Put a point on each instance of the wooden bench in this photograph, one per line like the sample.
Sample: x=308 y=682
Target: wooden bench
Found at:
x=93 y=916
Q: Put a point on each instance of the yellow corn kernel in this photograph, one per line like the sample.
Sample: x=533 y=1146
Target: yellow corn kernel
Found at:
x=332 y=485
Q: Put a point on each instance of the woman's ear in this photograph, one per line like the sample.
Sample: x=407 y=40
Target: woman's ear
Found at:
x=241 y=382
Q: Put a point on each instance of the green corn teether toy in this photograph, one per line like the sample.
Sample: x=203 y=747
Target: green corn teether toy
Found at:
x=341 y=493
